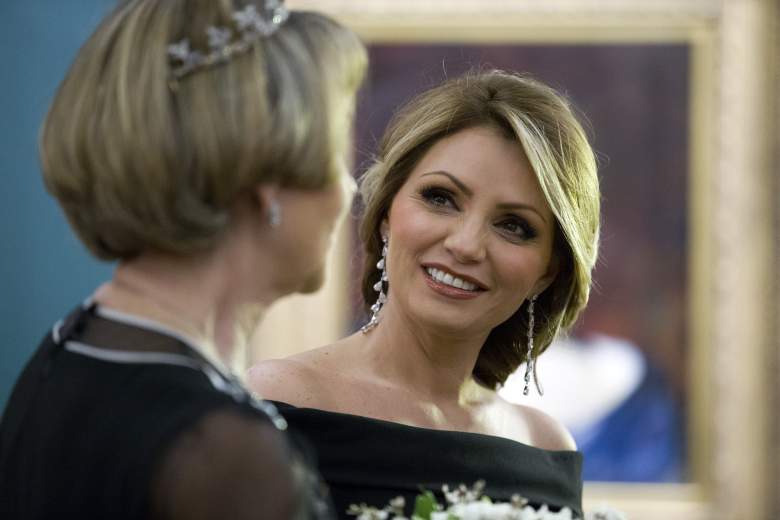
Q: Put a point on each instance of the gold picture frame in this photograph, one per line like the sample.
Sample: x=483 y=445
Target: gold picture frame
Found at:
x=733 y=196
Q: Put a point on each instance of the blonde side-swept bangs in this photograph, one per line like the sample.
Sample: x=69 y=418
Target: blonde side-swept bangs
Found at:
x=140 y=161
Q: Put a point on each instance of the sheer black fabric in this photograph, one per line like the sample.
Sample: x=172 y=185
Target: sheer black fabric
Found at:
x=365 y=460
x=84 y=437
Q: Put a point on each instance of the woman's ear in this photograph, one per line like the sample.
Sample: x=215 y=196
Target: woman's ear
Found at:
x=266 y=198
x=384 y=227
x=266 y=195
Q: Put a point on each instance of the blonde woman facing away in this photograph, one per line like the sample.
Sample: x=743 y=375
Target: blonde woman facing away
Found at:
x=480 y=230
x=201 y=145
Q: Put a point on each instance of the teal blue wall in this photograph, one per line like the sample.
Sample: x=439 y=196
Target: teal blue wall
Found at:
x=44 y=269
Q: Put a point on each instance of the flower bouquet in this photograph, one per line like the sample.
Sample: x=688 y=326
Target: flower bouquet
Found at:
x=464 y=503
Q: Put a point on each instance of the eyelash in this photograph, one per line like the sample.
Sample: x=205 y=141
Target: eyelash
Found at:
x=430 y=193
x=526 y=231
x=432 y=196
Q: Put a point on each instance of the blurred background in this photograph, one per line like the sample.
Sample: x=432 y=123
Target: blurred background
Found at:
x=636 y=361
x=45 y=271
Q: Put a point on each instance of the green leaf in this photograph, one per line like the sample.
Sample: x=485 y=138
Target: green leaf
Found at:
x=424 y=505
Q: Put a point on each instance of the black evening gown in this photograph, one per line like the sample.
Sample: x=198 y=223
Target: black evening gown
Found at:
x=100 y=404
x=371 y=461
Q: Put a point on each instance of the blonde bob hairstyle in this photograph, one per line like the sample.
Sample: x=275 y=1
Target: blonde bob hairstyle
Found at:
x=542 y=123
x=140 y=161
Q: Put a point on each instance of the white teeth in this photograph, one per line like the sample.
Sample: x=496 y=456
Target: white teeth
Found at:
x=448 y=279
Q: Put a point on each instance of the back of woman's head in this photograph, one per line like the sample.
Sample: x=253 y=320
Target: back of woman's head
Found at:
x=142 y=157
x=542 y=123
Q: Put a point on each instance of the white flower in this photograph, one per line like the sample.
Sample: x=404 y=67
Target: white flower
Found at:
x=471 y=510
x=364 y=512
x=373 y=515
x=605 y=513
x=468 y=504
x=463 y=493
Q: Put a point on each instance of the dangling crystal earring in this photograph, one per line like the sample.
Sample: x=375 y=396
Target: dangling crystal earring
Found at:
x=274 y=214
x=530 y=360
x=380 y=288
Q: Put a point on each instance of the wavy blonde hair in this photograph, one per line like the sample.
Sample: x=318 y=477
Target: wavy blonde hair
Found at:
x=541 y=122
x=137 y=164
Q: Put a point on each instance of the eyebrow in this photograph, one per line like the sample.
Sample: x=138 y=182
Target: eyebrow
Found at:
x=519 y=205
x=465 y=189
x=457 y=182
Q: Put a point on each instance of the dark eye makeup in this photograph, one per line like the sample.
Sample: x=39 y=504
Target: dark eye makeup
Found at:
x=438 y=197
x=514 y=227
x=518 y=228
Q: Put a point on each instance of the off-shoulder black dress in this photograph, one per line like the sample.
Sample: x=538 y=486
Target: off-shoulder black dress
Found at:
x=371 y=461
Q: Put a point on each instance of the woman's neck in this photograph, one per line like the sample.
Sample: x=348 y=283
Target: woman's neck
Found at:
x=191 y=296
x=435 y=366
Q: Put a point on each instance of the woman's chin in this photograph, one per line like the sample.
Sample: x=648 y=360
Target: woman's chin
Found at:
x=448 y=322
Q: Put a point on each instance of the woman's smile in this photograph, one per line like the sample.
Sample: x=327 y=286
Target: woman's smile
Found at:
x=449 y=285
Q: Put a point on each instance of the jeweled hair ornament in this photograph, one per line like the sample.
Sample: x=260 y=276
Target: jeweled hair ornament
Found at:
x=225 y=42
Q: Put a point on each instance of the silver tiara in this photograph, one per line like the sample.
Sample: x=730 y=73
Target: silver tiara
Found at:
x=225 y=42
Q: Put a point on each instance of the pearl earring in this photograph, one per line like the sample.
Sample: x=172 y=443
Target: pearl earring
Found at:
x=274 y=214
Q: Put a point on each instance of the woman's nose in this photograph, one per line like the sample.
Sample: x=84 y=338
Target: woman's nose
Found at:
x=466 y=241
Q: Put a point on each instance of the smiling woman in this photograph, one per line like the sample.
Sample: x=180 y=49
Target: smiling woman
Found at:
x=547 y=141
x=481 y=229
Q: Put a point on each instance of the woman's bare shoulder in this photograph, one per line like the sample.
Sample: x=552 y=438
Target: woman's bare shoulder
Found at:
x=303 y=380
x=542 y=430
